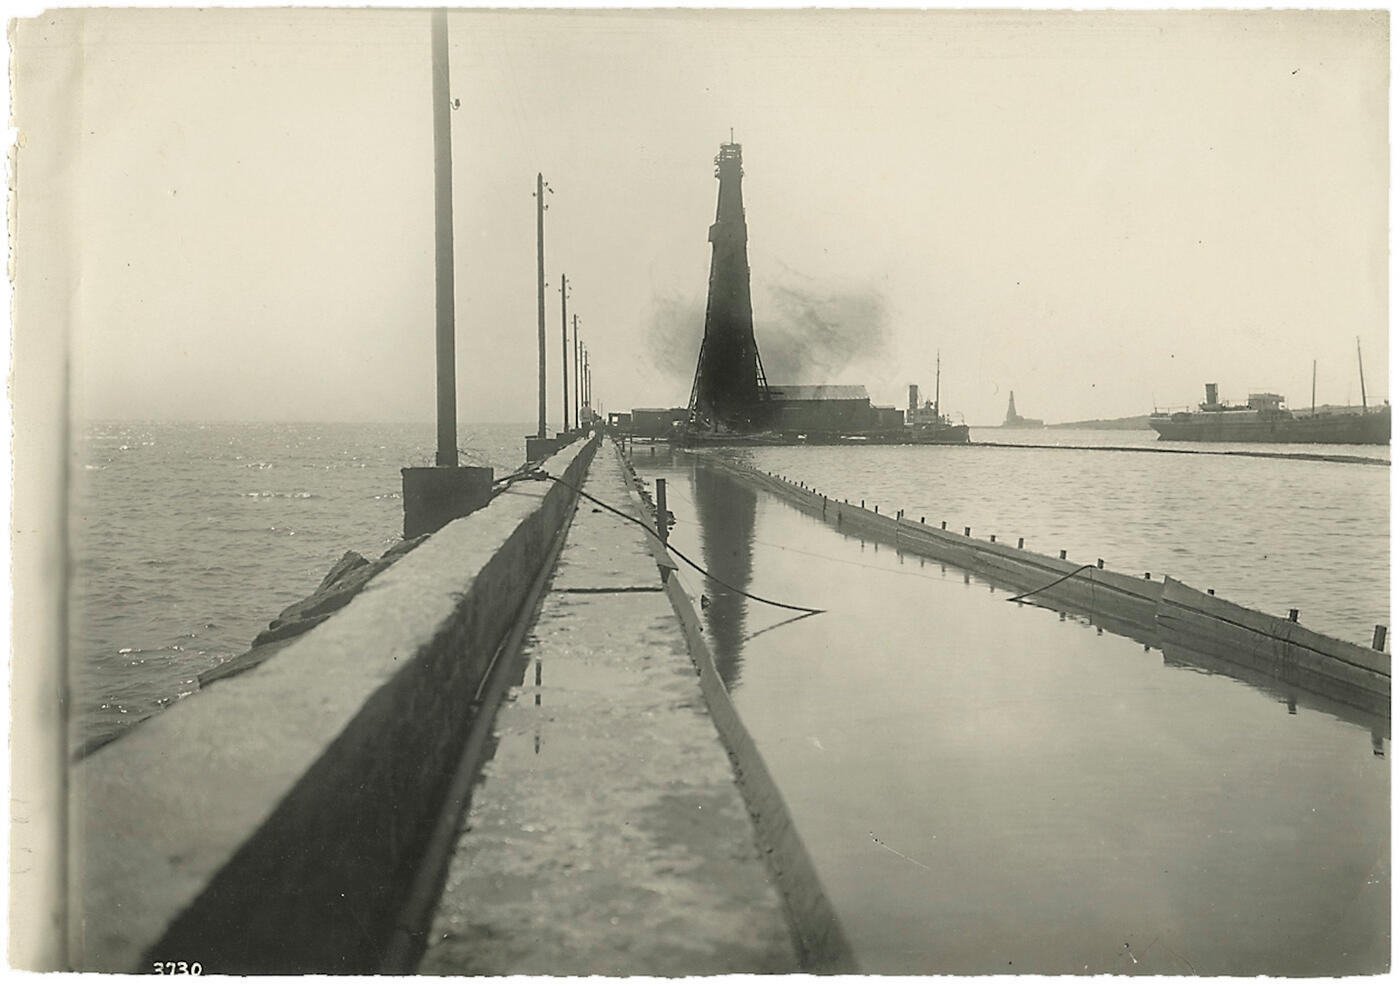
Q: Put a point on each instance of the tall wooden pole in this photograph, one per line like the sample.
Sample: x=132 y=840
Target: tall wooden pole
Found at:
x=564 y=345
x=578 y=418
x=442 y=213
x=539 y=242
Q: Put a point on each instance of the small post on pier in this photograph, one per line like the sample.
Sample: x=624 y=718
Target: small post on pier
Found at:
x=1020 y=543
x=1293 y=615
x=1378 y=638
x=661 y=514
x=967 y=532
x=1063 y=554
x=1100 y=563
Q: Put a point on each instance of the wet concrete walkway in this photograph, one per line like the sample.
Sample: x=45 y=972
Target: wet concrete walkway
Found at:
x=607 y=835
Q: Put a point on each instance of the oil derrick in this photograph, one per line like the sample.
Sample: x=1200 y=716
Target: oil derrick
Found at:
x=729 y=391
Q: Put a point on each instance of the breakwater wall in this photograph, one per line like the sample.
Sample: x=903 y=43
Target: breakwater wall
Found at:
x=272 y=822
x=1150 y=610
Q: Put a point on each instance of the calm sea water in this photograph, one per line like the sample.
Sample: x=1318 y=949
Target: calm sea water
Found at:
x=1266 y=533
x=996 y=788
x=188 y=539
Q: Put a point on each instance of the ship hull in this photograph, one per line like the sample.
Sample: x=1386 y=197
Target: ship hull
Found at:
x=1367 y=429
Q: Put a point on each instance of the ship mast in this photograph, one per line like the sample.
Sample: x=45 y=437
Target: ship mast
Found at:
x=937 y=377
x=1362 y=370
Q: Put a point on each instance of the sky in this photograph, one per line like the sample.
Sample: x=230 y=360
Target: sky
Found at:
x=1100 y=212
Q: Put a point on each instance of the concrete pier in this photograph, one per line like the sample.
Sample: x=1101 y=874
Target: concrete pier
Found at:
x=298 y=817
x=608 y=835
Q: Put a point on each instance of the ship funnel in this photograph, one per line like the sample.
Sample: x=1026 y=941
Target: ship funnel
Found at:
x=913 y=397
x=1210 y=394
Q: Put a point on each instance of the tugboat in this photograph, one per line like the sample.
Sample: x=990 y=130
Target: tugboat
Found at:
x=926 y=423
x=1265 y=418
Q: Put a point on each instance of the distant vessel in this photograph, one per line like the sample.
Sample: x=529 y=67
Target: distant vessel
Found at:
x=1264 y=418
x=926 y=422
x=1014 y=420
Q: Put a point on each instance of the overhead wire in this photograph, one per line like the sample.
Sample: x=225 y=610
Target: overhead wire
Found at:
x=543 y=474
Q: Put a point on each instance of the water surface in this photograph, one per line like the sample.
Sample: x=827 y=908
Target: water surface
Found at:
x=988 y=787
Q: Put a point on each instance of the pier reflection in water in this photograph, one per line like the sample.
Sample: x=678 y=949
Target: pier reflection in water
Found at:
x=987 y=787
x=725 y=508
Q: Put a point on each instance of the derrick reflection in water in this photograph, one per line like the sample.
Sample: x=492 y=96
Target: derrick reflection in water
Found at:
x=725 y=508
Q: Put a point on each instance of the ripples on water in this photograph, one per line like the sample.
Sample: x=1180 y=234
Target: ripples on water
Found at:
x=188 y=539
x=1266 y=533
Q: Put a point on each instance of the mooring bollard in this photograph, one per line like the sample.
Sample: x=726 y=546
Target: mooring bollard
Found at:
x=994 y=537
x=1378 y=638
x=1062 y=553
x=1147 y=575
x=945 y=525
x=967 y=532
x=1210 y=592
x=661 y=525
x=1020 y=543
x=1293 y=615
x=1100 y=563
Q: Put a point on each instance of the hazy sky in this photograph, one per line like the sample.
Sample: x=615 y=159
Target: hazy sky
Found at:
x=1097 y=211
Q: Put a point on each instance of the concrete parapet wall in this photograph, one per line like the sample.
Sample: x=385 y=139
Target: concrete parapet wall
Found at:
x=1143 y=607
x=1127 y=597
x=271 y=822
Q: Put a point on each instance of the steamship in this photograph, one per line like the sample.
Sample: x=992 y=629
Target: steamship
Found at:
x=1265 y=418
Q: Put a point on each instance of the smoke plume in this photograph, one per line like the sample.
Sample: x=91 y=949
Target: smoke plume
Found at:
x=808 y=337
x=804 y=336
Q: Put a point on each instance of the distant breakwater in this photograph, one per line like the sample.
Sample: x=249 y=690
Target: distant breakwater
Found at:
x=1253 y=454
x=1152 y=611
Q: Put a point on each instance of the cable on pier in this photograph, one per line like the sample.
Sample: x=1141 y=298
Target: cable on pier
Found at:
x=541 y=474
x=1018 y=599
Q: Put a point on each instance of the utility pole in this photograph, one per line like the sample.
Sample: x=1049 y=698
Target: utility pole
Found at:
x=588 y=385
x=564 y=343
x=443 y=272
x=578 y=418
x=1314 y=393
x=584 y=385
x=539 y=242
x=435 y=495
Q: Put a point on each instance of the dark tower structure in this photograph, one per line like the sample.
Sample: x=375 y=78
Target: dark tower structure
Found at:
x=729 y=391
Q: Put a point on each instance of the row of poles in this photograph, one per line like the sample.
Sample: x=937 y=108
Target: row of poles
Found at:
x=583 y=379
x=444 y=277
